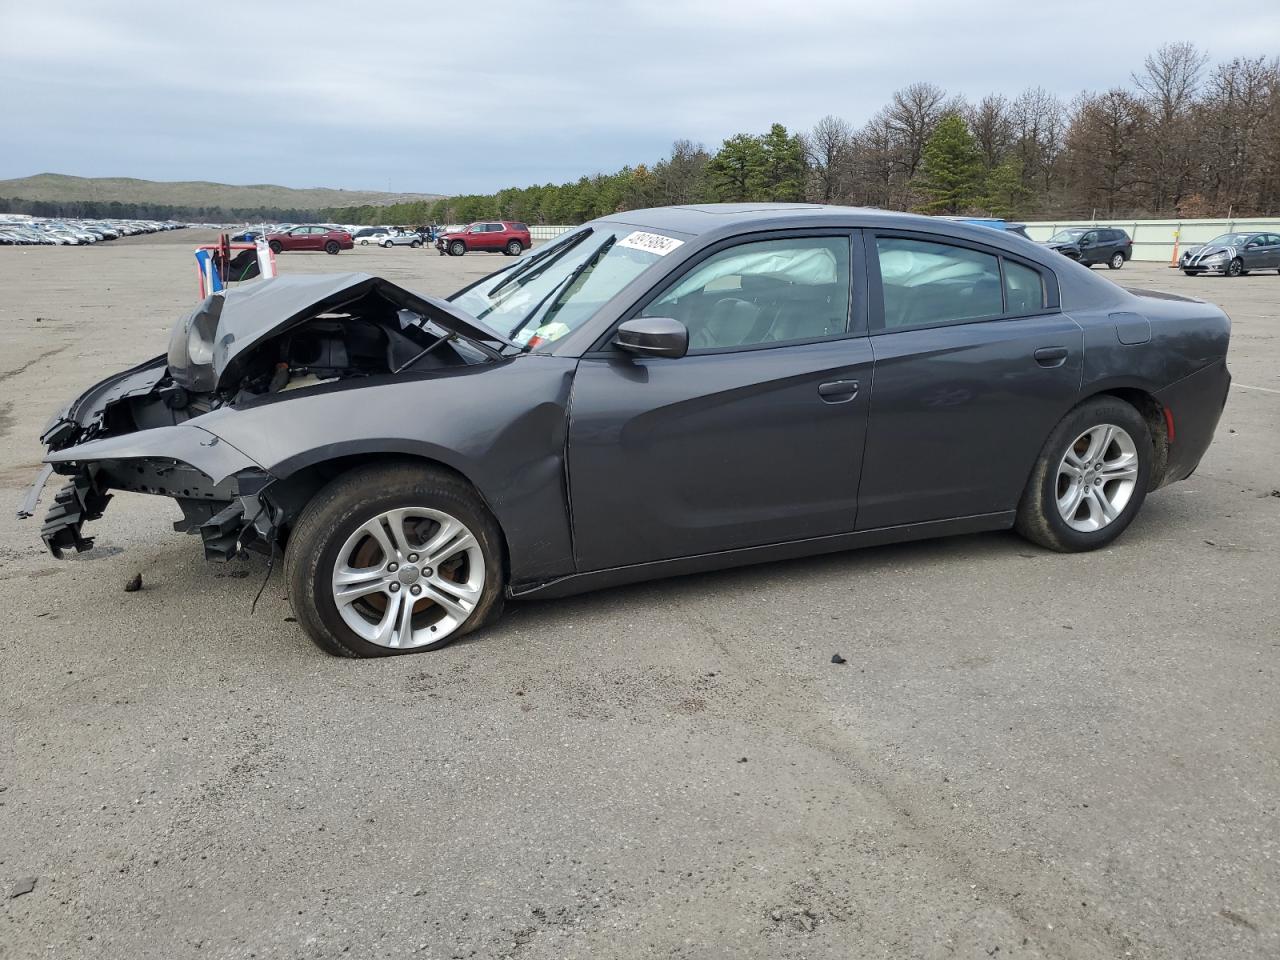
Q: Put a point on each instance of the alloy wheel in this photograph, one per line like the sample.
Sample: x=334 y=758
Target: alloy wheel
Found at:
x=1097 y=477
x=408 y=577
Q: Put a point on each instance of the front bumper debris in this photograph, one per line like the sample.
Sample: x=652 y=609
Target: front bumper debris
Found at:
x=78 y=502
x=219 y=489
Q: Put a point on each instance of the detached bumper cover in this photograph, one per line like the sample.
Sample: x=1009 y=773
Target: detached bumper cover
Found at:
x=216 y=485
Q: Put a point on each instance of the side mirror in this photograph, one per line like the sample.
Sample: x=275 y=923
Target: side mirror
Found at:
x=653 y=337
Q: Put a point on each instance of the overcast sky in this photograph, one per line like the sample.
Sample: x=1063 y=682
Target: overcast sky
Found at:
x=460 y=97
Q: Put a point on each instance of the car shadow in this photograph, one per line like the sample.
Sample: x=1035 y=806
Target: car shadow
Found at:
x=752 y=580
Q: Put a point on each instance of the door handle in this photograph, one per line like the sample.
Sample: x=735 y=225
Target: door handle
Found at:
x=838 y=391
x=1051 y=356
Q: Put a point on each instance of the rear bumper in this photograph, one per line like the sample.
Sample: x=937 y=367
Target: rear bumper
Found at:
x=1196 y=403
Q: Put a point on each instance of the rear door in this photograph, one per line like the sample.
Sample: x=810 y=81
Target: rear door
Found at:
x=755 y=437
x=974 y=365
x=1272 y=247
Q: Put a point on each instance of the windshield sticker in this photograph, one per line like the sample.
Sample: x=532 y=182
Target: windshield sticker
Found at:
x=650 y=242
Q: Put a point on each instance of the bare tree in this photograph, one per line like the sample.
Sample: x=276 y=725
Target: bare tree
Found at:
x=991 y=122
x=1232 y=119
x=1039 y=129
x=1103 y=150
x=829 y=152
x=1168 y=84
x=912 y=115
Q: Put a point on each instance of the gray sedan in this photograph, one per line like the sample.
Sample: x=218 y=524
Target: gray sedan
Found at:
x=1233 y=254
x=657 y=392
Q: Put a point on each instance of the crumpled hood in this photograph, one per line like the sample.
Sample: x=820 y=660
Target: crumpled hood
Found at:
x=1208 y=251
x=249 y=314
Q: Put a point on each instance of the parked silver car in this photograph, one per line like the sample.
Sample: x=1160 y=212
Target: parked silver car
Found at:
x=408 y=239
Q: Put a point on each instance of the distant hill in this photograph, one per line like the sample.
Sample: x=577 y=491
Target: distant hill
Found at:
x=56 y=188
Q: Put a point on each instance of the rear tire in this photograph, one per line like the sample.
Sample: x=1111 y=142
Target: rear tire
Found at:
x=329 y=537
x=457 y=248
x=332 y=248
x=515 y=248
x=1069 y=505
x=1116 y=261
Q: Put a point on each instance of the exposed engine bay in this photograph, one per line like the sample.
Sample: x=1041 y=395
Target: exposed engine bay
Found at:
x=259 y=344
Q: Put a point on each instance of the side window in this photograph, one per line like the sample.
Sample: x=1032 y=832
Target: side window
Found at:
x=927 y=283
x=769 y=291
x=1023 y=289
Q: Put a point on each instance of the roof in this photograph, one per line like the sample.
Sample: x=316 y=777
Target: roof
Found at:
x=712 y=222
x=696 y=220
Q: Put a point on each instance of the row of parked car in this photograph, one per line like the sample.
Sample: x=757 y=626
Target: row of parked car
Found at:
x=508 y=237
x=33 y=230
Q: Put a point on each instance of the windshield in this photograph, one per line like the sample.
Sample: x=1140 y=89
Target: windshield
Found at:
x=1229 y=240
x=1066 y=236
x=553 y=291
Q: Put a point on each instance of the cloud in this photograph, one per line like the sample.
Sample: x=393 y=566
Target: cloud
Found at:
x=432 y=97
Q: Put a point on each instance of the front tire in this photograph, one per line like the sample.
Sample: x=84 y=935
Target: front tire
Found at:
x=1090 y=479
x=1235 y=267
x=414 y=245
x=276 y=246
x=1116 y=261
x=457 y=248
x=394 y=559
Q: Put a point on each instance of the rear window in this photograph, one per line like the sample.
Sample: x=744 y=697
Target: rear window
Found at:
x=519 y=227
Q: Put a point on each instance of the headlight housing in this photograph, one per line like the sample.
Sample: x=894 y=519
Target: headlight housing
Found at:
x=191 y=346
x=1216 y=258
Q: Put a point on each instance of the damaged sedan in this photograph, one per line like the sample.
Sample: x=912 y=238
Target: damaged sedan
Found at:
x=657 y=392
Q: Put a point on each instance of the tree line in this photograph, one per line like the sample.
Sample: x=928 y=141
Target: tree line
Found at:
x=127 y=210
x=1186 y=137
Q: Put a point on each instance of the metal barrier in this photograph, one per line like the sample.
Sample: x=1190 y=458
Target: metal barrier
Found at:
x=1153 y=240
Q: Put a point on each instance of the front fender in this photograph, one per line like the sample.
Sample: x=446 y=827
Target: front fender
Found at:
x=503 y=426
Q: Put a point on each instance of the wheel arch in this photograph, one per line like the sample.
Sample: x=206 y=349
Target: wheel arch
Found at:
x=300 y=479
x=1153 y=412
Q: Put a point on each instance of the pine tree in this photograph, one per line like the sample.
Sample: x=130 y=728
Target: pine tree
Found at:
x=951 y=168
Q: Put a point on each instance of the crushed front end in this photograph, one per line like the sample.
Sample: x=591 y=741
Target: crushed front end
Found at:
x=152 y=429
x=127 y=434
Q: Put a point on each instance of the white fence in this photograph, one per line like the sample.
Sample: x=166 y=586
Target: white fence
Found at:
x=1152 y=239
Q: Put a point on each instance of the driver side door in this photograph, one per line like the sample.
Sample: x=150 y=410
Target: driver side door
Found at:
x=755 y=436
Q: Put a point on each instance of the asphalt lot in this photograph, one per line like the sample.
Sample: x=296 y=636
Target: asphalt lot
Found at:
x=1026 y=754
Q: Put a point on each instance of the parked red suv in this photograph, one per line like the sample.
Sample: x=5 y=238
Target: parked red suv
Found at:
x=495 y=236
x=310 y=238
